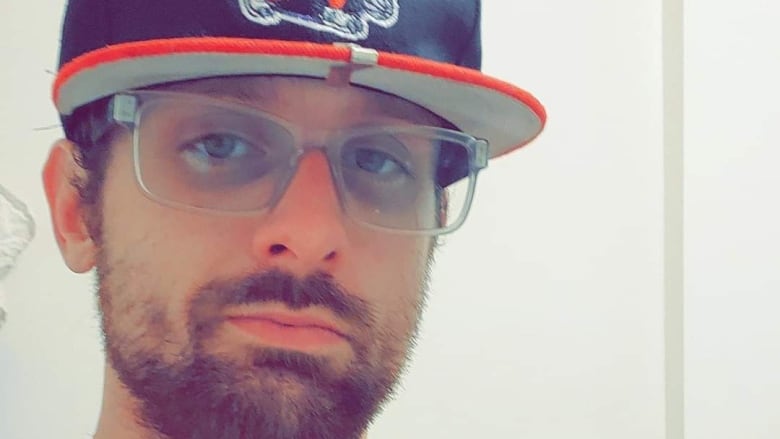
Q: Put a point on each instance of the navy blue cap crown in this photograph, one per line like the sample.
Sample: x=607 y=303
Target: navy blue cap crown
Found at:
x=439 y=30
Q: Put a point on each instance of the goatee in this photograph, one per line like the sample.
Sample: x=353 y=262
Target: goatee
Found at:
x=277 y=393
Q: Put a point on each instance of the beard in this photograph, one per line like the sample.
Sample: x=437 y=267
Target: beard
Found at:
x=197 y=393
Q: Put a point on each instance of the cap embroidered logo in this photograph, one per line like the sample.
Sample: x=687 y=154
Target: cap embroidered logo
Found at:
x=348 y=19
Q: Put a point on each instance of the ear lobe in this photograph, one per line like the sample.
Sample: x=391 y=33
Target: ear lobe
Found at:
x=67 y=213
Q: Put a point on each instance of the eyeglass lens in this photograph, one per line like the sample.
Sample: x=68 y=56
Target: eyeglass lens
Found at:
x=222 y=157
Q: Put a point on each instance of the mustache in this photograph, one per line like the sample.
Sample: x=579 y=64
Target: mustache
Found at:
x=318 y=289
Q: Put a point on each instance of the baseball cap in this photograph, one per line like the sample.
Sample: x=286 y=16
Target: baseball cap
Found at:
x=425 y=51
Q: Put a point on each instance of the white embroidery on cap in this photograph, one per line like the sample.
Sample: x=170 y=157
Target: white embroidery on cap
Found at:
x=348 y=19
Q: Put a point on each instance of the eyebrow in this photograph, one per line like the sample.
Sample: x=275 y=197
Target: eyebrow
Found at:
x=249 y=91
x=240 y=90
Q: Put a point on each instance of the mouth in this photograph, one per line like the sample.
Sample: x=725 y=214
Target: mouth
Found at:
x=289 y=330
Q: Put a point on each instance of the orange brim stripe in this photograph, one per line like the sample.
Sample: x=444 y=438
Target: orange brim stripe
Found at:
x=247 y=46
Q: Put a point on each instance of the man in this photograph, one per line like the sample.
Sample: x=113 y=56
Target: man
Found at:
x=259 y=186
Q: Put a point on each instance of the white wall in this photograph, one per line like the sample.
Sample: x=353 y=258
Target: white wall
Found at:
x=546 y=319
x=732 y=158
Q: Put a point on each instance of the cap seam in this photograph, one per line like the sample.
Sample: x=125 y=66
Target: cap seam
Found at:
x=109 y=26
x=465 y=45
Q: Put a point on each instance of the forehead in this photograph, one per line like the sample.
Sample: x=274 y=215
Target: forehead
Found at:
x=269 y=92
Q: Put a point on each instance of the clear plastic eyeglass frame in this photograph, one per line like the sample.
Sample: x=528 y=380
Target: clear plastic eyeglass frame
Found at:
x=457 y=164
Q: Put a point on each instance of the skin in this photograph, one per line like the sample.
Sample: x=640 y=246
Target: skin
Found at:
x=152 y=259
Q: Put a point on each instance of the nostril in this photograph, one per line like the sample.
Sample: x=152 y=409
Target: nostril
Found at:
x=277 y=249
x=330 y=256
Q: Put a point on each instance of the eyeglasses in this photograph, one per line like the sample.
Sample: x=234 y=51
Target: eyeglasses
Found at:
x=201 y=153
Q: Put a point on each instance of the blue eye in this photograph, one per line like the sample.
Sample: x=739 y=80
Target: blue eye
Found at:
x=377 y=162
x=219 y=146
x=220 y=152
x=381 y=156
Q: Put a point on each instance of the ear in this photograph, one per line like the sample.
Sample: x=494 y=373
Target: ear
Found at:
x=444 y=204
x=67 y=212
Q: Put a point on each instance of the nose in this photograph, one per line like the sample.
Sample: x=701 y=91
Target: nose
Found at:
x=305 y=231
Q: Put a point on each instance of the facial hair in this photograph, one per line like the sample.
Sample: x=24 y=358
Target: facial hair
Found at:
x=278 y=394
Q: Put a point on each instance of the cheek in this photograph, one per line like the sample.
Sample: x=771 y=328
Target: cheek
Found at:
x=151 y=262
x=171 y=244
x=395 y=281
x=394 y=276
x=144 y=305
x=158 y=264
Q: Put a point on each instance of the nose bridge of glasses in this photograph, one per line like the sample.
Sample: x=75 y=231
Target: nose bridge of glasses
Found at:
x=313 y=162
x=310 y=185
x=316 y=141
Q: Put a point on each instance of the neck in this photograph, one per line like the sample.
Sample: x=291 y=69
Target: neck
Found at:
x=118 y=413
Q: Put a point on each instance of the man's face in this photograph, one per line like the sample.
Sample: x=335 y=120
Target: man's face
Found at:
x=292 y=323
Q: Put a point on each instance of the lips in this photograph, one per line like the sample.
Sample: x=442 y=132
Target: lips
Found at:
x=291 y=320
x=290 y=330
